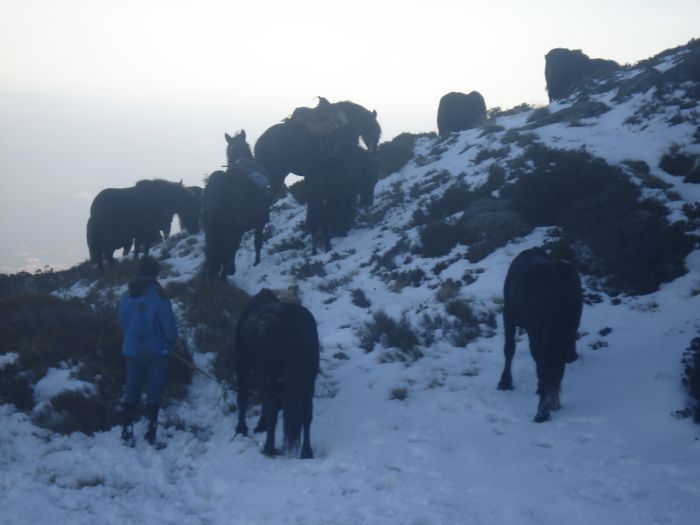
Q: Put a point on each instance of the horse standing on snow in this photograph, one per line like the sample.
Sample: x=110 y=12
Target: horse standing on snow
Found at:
x=279 y=343
x=543 y=296
x=120 y=216
x=233 y=202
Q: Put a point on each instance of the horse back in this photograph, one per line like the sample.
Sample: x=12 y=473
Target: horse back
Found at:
x=543 y=295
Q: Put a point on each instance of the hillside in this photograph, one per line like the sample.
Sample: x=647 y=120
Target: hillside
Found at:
x=409 y=427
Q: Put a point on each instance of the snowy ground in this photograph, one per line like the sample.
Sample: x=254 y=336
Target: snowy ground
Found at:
x=456 y=450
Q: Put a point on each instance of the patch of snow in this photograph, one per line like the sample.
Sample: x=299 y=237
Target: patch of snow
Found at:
x=8 y=359
x=59 y=380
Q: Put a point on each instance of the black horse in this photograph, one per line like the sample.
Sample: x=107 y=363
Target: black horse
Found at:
x=237 y=148
x=287 y=147
x=233 y=202
x=278 y=342
x=543 y=296
x=362 y=169
x=340 y=123
x=332 y=187
x=460 y=111
x=330 y=201
x=139 y=213
x=293 y=146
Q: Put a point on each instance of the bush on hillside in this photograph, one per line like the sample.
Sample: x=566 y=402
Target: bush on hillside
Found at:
x=633 y=246
x=678 y=163
x=46 y=332
x=210 y=309
x=393 y=155
x=45 y=280
x=691 y=376
x=390 y=333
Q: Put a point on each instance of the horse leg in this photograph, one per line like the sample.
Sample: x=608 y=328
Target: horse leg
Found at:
x=306 y=452
x=506 y=381
x=230 y=267
x=270 y=413
x=258 y=243
x=242 y=400
x=550 y=370
x=558 y=376
x=260 y=427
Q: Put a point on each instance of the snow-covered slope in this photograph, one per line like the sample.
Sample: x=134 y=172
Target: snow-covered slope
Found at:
x=406 y=440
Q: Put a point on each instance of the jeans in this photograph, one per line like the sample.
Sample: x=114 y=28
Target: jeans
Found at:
x=152 y=370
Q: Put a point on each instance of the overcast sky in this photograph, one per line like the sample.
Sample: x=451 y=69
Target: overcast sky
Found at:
x=97 y=94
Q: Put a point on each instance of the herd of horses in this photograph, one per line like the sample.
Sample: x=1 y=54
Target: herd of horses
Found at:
x=279 y=341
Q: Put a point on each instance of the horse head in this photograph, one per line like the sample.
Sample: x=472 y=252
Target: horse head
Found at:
x=190 y=207
x=237 y=148
x=371 y=131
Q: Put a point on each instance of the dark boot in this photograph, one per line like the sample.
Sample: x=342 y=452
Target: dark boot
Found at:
x=150 y=435
x=128 y=410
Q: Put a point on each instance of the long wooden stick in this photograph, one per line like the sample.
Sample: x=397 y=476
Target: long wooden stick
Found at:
x=192 y=365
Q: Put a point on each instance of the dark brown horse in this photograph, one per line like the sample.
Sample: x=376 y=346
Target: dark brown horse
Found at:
x=233 y=202
x=278 y=343
x=293 y=146
x=543 y=296
x=119 y=216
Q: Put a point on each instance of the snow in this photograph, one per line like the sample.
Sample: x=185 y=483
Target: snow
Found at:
x=8 y=359
x=59 y=380
x=456 y=449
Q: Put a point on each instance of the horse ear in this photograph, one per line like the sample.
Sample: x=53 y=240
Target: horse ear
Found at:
x=182 y=182
x=374 y=112
x=242 y=134
x=228 y=137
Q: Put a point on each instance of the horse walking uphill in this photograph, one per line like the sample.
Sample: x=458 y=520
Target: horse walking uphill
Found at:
x=120 y=216
x=543 y=296
x=279 y=343
x=292 y=146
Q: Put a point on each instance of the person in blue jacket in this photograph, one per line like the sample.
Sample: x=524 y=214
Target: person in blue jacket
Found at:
x=150 y=331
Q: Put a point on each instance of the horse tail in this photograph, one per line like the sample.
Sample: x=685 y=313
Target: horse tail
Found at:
x=300 y=369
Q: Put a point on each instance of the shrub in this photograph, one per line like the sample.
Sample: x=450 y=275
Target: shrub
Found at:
x=631 y=242
x=48 y=332
x=487 y=153
x=677 y=163
x=390 y=333
x=393 y=155
x=691 y=376
x=210 y=309
x=359 y=299
x=488 y=224
x=449 y=289
x=466 y=325
x=398 y=394
x=438 y=238
x=45 y=280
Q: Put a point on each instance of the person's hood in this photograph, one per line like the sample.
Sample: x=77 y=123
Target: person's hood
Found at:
x=140 y=284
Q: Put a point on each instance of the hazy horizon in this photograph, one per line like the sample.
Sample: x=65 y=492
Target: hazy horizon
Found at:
x=102 y=94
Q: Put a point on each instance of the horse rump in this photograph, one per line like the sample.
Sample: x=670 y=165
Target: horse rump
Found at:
x=544 y=296
x=279 y=342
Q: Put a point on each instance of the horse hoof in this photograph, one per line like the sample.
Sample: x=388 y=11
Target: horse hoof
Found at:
x=270 y=453
x=541 y=417
x=505 y=385
x=307 y=454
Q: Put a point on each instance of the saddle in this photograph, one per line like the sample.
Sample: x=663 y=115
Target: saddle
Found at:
x=256 y=173
x=322 y=120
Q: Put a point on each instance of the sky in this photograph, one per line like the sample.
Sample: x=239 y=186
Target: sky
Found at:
x=97 y=94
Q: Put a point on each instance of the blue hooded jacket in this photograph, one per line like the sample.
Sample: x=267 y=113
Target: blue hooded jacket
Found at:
x=147 y=318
